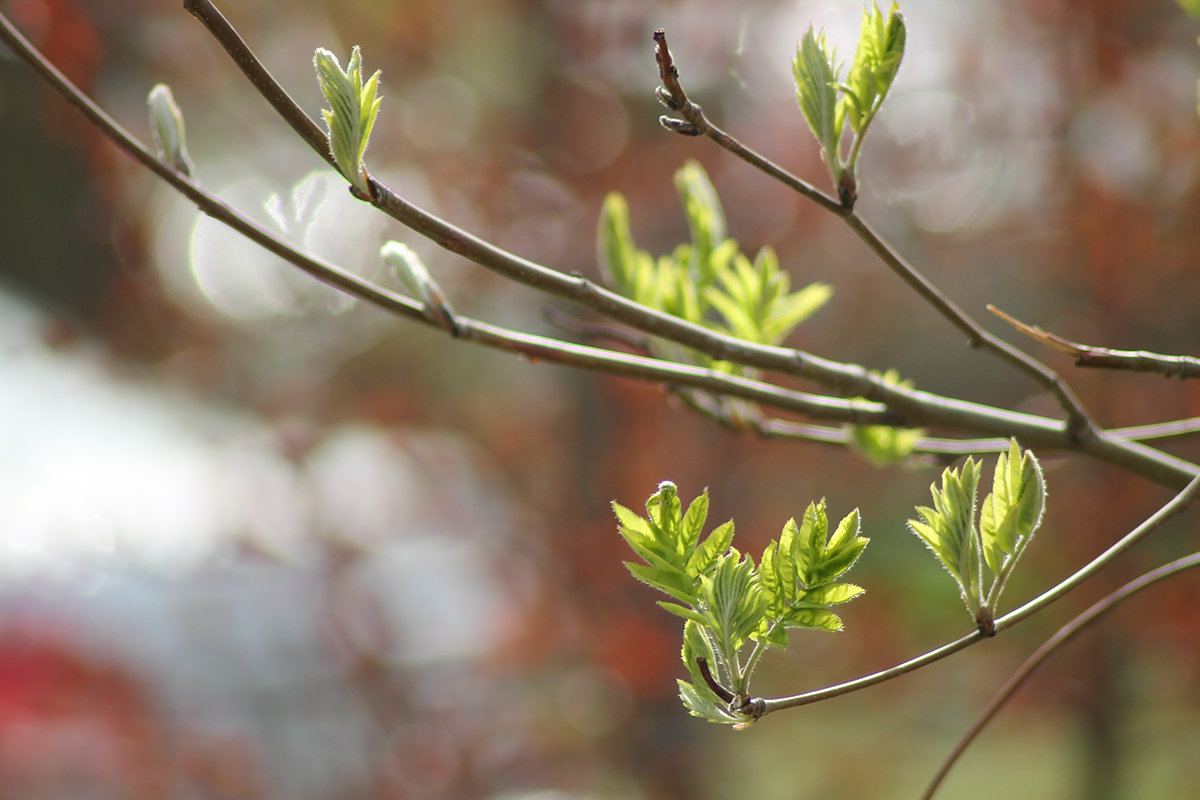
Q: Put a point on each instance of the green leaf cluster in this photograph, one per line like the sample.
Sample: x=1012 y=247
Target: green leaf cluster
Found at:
x=980 y=550
x=730 y=604
x=668 y=540
x=884 y=445
x=828 y=103
x=799 y=573
x=353 y=106
x=707 y=280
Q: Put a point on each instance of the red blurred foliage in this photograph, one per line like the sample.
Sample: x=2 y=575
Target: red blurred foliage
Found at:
x=68 y=722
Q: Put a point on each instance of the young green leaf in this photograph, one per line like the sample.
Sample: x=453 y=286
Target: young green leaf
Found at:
x=353 y=106
x=877 y=58
x=704 y=557
x=815 y=619
x=949 y=530
x=730 y=604
x=796 y=574
x=821 y=558
x=727 y=603
x=660 y=574
x=693 y=523
x=755 y=298
x=1009 y=516
x=1013 y=510
x=419 y=284
x=816 y=74
x=664 y=568
x=668 y=540
x=697 y=696
x=616 y=251
x=706 y=280
x=832 y=594
x=884 y=445
x=778 y=580
x=705 y=218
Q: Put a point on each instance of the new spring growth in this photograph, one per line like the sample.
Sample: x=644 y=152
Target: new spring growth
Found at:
x=420 y=285
x=167 y=131
x=353 y=106
x=828 y=102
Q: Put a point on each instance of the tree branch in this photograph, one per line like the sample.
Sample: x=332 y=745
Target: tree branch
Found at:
x=1174 y=506
x=1061 y=637
x=695 y=123
x=258 y=75
x=1105 y=357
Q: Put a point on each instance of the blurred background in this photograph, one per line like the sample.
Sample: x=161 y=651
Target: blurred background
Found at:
x=258 y=541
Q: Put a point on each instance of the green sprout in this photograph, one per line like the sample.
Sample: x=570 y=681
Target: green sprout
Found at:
x=353 y=107
x=828 y=103
x=166 y=128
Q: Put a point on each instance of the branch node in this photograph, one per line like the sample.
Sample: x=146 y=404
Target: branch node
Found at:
x=985 y=621
x=750 y=707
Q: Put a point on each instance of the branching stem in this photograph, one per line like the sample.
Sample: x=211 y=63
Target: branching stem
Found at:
x=904 y=407
x=1061 y=637
x=1174 y=506
x=534 y=347
x=1079 y=423
x=910 y=408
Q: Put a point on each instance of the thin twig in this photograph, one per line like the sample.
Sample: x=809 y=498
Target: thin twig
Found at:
x=592 y=331
x=1087 y=355
x=1061 y=637
x=720 y=691
x=1079 y=429
x=695 y=123
x=779 y=703
x=258 y=75
x=1160 y=430
x=454 y=239
x=1174 y=506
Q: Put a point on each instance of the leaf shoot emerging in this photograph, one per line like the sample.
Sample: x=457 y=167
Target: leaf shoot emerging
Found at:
x=167 y=130
x=984 y=551
x=353 y=106
x=707 y=280
x=828 y=103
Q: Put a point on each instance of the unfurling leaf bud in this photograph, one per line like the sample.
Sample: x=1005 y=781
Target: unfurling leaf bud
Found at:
x=420 y=285
x=166 y=128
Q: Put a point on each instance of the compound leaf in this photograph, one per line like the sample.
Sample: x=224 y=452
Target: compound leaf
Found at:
x=816 y=76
